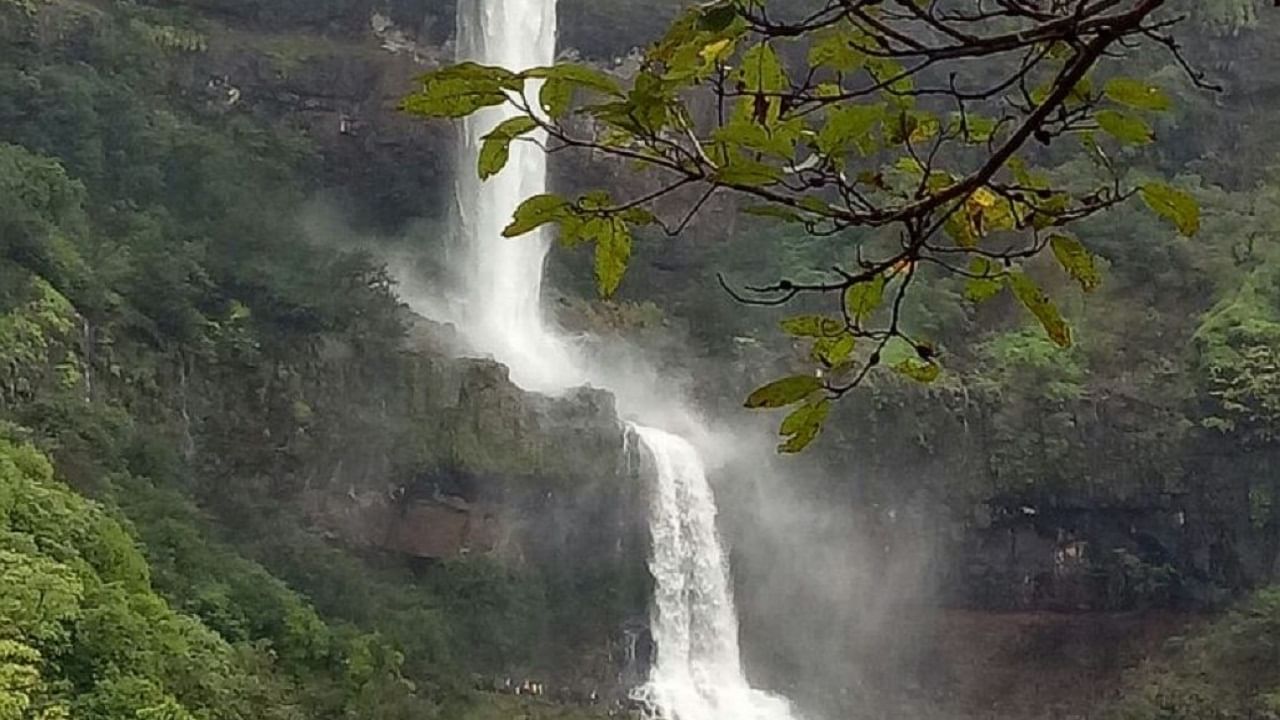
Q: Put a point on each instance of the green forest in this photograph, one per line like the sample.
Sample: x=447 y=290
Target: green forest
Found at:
x=211 y=375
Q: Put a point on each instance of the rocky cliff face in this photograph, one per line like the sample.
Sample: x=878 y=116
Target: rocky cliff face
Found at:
x=343 y=92
x=1025 y=526
x=418 y=457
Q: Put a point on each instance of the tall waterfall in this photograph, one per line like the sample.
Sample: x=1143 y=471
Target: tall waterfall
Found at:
x=503 y=276
x=697 y=673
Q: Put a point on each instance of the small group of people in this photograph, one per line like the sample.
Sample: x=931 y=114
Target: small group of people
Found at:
x=622 y=705
x=508 y=686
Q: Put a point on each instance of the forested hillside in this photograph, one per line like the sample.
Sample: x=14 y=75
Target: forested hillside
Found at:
x=186 y=377
x=211 y=390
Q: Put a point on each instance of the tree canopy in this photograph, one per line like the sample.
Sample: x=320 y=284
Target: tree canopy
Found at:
x=962 y=137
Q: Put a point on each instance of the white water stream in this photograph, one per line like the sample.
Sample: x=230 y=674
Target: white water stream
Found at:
x=697 y=673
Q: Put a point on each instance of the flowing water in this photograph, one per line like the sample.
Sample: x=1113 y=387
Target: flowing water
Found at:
x=502 y=277
x=697 y=673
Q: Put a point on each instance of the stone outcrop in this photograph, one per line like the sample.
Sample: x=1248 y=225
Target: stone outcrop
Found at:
x=436 y=528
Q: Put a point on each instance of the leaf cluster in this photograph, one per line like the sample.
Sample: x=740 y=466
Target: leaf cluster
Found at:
x=913 y=128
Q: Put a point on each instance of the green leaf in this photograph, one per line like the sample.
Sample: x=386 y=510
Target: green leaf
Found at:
x=496 y=148
x=960 y=229
x=1077 y=261
x=862 y=299
x=812 y=326
x=536 y=212
x=784 y=392
x=828 y=90
x=988 y=280
x=831 y=351
x=1125 y=128
x=718 y=51
x=717 y=18
x=850 y=126
x=460 y=90
x=762 y=71
x=910 y=167
x=977 y=128
x=1035 y=300
x=891 y=71
x=897 y=351
x=778 y=139
x=923 y=371
x=761 y=74
x=1173 y=204
x=802 y=426
x=804 y=416
x=741 y=170
x=1080 y=94
x=578 y=75
x=815 y=205
x=835 y=49
x=613 y=252
x=556 y=97
x=1136 y=94
x=595 y=200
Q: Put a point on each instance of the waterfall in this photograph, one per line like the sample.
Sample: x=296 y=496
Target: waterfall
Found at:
x=502 y=277
x=697 y=673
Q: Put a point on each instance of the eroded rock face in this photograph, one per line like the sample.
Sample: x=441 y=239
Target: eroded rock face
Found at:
x=341 y=87
x=460 y=428
x=425 y=457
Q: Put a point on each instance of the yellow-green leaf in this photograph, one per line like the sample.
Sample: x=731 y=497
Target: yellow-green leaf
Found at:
x=555 y=97
x=1136 y=94
x=1041 y=307
x=579 y=75
x=717 y=51
x=960 y=229
x=459 y=90
x=536 y=212
x=613 y=252
x=762 y=71
x=986 y=281
x=835 y=49
x=778 y=139
x=1076 y=260
x=802 y=426
x=923 y=371
x=831 y=351
x=804 y=416
x=742 y=170
x=786 y=391
x=496 y=148
x=862 y=299
x=1124 y=127
x=812 y=326
x=1174 y=204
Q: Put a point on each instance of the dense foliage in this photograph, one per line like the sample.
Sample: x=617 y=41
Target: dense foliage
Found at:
x=1225 y=670
x=173 y=346
x=85 y=634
